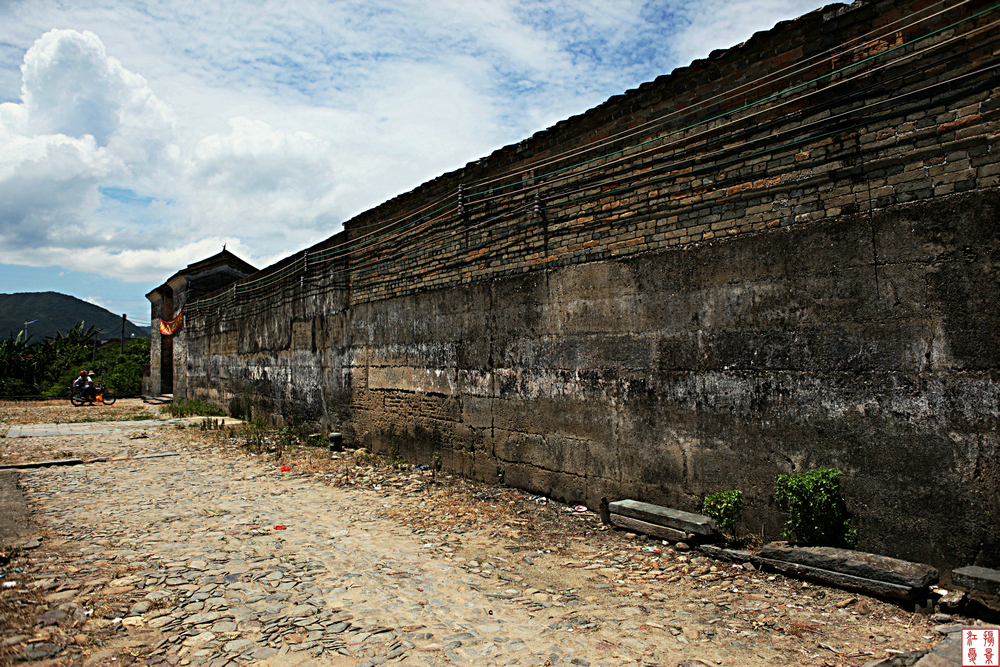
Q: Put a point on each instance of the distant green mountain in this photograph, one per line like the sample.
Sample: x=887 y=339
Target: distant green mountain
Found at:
x=59 y=312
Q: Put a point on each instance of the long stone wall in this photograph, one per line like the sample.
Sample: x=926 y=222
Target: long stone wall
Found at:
x=776 y=259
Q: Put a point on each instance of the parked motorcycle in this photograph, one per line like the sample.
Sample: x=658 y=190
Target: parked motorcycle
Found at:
x=99 y=394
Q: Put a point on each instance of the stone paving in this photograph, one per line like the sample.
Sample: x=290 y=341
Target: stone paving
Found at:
x=225 y=582
x=95 y=428
x=225 y=561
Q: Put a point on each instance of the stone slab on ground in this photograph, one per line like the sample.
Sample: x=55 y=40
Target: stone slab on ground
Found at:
x=728 y=555
x=646 y=528
x=841 y=580
x=977 y=578
x=856 y=564
x=664 y=516
x=947 y=653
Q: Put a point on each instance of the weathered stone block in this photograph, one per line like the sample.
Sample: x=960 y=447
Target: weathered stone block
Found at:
x=420 y=380
x=856 y=564
x=978 y=578
x=646 y=528
x=841 y=580
x=664 y=516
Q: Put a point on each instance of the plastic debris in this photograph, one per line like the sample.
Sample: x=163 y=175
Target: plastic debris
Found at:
x=285 y=468
x=280 y=527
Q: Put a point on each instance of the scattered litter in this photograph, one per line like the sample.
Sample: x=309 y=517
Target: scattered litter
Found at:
x=652 y=549
x=581 y=508
x=9 y=584
x=280 y=527
x=285 y=468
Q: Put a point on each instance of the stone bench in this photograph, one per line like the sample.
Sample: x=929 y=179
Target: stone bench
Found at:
x=855 y=570
x=662 y=522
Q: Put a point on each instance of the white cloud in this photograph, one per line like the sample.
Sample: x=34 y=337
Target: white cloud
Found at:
x=83 y=121
x=268 y=180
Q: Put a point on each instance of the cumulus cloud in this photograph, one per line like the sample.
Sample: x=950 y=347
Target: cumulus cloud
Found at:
x=93 y=175
x=83 y=121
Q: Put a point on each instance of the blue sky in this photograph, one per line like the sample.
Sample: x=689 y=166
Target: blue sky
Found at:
x=137 y=137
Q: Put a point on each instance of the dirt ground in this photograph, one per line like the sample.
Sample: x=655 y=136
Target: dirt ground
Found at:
x=553 y=548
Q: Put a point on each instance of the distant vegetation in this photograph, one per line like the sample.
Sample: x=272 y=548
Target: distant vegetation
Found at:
x=56 y=313
x=48 y=367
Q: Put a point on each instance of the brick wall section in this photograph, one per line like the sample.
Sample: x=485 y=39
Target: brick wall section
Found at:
x=754 y=286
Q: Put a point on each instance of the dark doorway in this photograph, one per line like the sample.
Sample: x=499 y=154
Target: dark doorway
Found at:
x=167 y=345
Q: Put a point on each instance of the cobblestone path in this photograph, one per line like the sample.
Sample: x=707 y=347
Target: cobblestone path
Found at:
x=223 y=560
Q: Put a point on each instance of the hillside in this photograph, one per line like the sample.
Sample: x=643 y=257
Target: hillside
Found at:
x=58 y=312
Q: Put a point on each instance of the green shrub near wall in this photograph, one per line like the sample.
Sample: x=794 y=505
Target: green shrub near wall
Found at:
x=725 y=507
x=817 y=511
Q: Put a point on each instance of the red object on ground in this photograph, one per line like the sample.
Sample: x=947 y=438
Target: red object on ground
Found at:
x=279 y=527
x=285 y=468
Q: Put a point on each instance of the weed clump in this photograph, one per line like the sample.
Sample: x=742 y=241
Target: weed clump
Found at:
x=194 y=408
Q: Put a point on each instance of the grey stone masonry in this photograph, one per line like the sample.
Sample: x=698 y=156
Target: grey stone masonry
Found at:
x=841 y=580
x=869 y=573
x=856 y=563
x=663 y=516
x=978 y=578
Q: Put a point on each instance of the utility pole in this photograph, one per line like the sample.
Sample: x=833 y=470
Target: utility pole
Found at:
x=25 y=335
x=123 y=334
